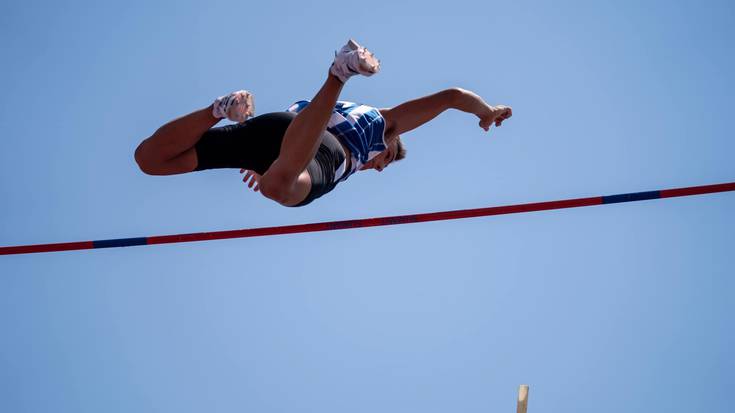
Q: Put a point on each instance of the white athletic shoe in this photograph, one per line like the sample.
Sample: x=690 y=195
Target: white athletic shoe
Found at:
x=237 y=106
x=354 y=59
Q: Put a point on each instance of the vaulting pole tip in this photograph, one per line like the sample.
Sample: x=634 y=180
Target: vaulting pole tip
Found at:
x=522 y=399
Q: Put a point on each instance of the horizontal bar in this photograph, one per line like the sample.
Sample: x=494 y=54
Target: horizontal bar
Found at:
x=370 y=222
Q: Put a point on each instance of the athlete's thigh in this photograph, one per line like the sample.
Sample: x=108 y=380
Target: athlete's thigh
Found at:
x=182 y=163
x=253 y=145
x=186 y=162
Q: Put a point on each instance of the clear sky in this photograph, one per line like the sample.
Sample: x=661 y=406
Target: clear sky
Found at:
x=626 y=307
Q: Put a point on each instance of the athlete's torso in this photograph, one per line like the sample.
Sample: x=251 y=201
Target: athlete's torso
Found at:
x=360 y=130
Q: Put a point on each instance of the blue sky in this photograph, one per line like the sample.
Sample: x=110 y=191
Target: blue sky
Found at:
x=624 y=307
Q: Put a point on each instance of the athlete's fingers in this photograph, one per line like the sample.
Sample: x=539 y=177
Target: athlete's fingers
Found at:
x=504 y=112
x=252 y=178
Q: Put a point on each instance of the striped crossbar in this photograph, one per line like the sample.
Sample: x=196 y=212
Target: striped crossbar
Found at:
x=370 y=222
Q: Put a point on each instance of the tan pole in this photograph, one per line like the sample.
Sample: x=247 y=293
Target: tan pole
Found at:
x=522 y=399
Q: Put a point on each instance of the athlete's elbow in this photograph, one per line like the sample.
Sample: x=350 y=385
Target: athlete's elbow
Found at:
x=454 y=95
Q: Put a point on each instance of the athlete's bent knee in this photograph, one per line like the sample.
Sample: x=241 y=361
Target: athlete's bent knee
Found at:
x=143 y=160
x=275 y=188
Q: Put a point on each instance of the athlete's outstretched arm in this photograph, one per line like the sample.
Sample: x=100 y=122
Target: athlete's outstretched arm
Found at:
x=414 y=113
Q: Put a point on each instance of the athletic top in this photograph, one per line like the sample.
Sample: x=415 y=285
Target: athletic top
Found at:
x=360 y=128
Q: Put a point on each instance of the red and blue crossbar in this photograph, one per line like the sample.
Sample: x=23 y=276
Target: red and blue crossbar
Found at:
x=370 y=222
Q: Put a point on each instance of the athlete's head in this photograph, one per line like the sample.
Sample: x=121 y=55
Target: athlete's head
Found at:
x=394 y=152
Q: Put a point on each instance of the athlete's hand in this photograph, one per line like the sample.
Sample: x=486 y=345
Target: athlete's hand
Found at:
x=253 y=177
x=495 y=115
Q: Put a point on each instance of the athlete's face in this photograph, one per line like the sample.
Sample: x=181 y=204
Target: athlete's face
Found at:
x=383 y=159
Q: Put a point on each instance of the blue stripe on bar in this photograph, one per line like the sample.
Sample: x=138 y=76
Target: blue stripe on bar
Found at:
x=122 y=242
x=636 y=196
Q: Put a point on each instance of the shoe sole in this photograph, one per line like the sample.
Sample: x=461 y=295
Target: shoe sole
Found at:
x=244 y=100
x=250 y=104
x=368 y=61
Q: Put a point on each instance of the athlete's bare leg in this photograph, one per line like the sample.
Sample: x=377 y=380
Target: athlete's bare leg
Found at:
x=286 y=181
x=170 y=150
x=302 y=137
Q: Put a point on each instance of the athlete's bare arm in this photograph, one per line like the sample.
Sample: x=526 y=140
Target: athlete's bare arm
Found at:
x=410 y=115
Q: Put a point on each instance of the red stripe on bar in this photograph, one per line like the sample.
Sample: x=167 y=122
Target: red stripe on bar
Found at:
x=697 y=190
x=374 y=222
x=63 y=246
x=510 y=209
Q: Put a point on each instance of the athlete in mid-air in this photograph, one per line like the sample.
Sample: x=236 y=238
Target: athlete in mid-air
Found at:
x=296 y=156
